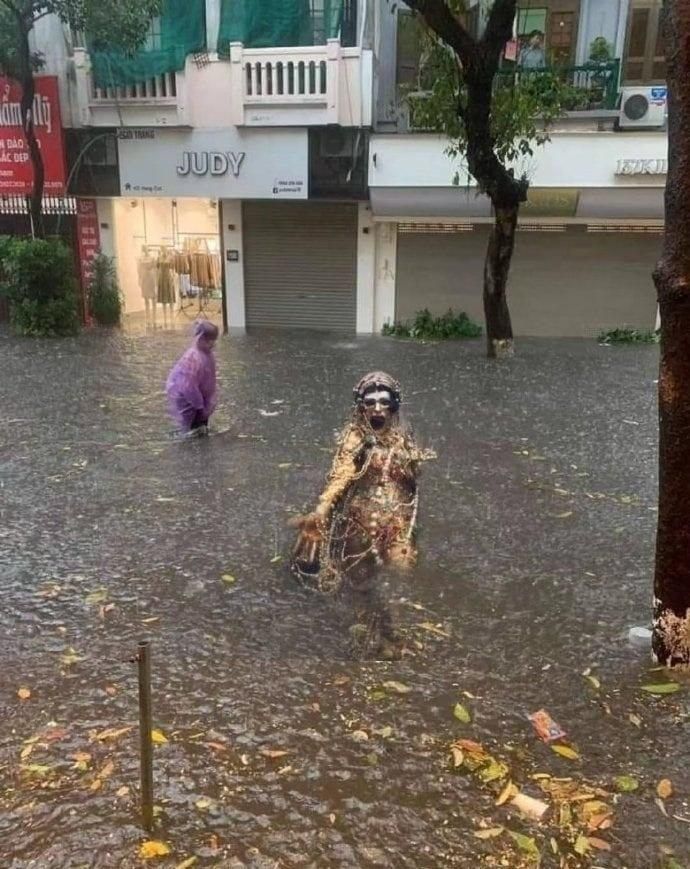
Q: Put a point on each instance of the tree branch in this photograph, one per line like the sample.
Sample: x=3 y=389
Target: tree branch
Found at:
x=499 y=27
x=444 y=24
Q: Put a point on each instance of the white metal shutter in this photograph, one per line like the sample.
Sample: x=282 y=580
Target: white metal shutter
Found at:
x=300 y=265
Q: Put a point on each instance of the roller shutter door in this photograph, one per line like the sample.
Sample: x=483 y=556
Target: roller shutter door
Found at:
x=572 y=283
x=300 y=265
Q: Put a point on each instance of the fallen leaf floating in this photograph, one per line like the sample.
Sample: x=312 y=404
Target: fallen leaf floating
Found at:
x=188 y=863
x=662 y=688
x=664 y=789
x=397 y=687
x=152 y=849
x=228 y=578
x=273 y=753
x=462 y=714
x=111 y=734
x=525 y=843
x=508 y=792
x=489 y=833
x=593 y=681
x=24 y=693
x=626 y=784
x=529 y=806
x=566 y=751
x=158 y=737
x=434 y=629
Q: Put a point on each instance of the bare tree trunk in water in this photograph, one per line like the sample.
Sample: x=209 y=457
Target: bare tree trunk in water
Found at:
x=671 y=637
x=499 y=331
x=28 y=86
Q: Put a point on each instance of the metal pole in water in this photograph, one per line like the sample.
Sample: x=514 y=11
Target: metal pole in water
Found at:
x=145 y=727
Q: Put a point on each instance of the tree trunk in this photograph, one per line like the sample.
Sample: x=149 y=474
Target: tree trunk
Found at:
x=28 y=86
x=671 y=637
x=499 y=331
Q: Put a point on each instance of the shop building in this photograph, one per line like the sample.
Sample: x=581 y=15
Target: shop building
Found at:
x=284 y=153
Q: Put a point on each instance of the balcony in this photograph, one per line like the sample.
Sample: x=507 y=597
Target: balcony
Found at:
x=154 y=102
x=590 y=87
x=310 y=86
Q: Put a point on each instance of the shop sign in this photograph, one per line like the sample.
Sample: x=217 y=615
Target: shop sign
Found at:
x=220 y=164
x=16 y=171
x=642 y=167
x=88 y=237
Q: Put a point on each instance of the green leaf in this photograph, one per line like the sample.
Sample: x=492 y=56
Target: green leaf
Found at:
x=626 y=784
x=581 y=845
x=662 y=688
x=228 y=579
x=565 y=751
x=461 y=713
x=525 y=843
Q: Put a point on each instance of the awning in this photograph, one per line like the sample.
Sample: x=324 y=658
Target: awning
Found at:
x=457 y=203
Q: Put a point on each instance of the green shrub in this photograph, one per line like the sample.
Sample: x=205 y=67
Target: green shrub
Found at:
x=105 y=298
x=37 y=278
x=426 y=327
x=626 y=335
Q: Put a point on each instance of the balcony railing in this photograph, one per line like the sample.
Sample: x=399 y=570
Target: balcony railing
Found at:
x=584 y=88
x=160 y=89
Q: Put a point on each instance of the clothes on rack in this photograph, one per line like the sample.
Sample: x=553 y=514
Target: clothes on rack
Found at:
x=166 y=281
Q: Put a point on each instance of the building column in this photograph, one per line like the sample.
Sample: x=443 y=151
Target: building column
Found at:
x=366 y=268
x=386 y=256
x=233 y=246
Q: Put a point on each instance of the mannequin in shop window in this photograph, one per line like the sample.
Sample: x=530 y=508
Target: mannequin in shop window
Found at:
x=166 y=283
x=147 y=267
x=191 y=385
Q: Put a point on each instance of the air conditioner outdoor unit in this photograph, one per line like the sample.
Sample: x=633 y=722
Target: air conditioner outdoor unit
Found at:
x=642 y=107
x=335 y=142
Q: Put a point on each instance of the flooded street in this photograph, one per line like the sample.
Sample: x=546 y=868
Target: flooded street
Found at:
x=536 y=539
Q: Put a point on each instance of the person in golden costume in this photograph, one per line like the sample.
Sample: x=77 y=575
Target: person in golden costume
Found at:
x=365 y=519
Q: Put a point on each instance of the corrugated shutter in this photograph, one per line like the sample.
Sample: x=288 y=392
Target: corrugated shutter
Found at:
x=566 y=282
x=300 y=265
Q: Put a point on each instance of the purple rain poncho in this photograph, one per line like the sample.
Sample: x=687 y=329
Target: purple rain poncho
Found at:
x=191 y=385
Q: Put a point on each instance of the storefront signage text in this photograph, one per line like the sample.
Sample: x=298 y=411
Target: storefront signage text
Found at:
x=210 y=162
x=16 y=170
x=641 y=167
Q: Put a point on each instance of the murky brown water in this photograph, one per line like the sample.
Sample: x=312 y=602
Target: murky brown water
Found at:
x=537 y=533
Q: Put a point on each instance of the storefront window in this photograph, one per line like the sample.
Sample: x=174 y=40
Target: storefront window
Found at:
x=168 y=260
x=644 y=57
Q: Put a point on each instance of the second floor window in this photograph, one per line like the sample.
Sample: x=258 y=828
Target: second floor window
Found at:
x=644 y=54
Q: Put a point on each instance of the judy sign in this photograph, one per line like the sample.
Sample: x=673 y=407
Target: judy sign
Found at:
x=210 y=162
x=226 y=163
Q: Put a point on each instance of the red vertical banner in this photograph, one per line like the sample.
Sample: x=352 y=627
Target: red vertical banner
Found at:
x=89 y=242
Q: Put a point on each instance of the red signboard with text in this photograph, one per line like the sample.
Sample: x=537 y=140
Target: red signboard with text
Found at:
x=88 y=237
x=16 y=171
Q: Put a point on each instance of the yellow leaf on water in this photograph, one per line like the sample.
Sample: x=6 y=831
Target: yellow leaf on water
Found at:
x=24 y=693
x=433 y=629
x=107 y=770
x=509 y=791
x=158 y=737
x=525 y=843
x=461 y=713
x=188 y=863
x=122 y=792
x=111 y=734
x=566 y=751
x=397 y=687
x=664 y=789
x=203 y=804
x=273 y=753
x=581 y=845
x=594 y=682
x=276 y=559
x=70 y=657
x=489 y=833
x=458 y=756
x=150 y=850
x=635 y=719
x=228 y=578
x=626 y=784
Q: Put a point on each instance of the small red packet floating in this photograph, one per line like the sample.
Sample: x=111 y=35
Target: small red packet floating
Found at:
x=546 y=727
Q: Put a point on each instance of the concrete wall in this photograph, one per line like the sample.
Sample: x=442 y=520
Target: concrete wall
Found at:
x=567 y=284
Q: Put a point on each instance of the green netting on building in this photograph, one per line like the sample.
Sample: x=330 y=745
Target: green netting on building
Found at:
x=278 y=23
x=181 y=30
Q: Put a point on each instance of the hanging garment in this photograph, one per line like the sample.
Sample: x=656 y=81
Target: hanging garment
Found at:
x=181 y=263
x=147 y=268
x=216 y=272
x=166 y=283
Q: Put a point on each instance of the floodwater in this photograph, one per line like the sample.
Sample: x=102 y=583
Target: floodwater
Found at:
x=536 y=536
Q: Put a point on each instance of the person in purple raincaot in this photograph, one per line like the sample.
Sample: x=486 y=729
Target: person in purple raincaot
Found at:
x=191 y=385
